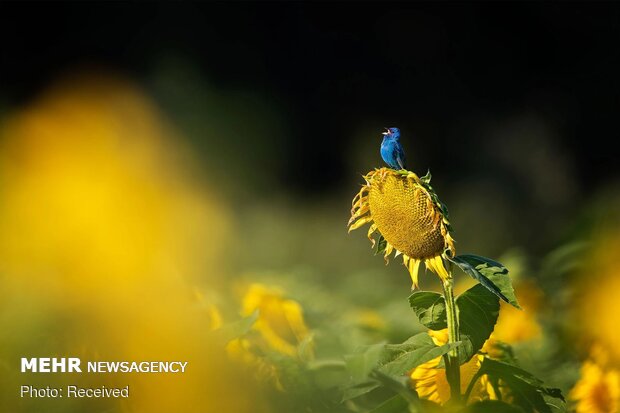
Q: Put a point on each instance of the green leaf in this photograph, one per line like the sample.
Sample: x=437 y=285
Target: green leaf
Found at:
x=418 y=350
x=444 y=209
x=381 y=245
x=504 y=352
x=363 y=361
x=491 y=274
x=430 y=308
x=399 y=385
x=391 y=362
x=503 y=282
x=359 y=389
x=527 y=390
x=427 y=178
x=394 y=404
x=478 y=310
x=402 y=387
x=494 y=406
x=411 y=343
x=237 y=328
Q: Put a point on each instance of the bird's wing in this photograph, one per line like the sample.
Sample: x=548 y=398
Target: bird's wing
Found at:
x=400 y=158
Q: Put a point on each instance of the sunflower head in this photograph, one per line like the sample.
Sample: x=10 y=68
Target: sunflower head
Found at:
x=411 y=220
x=598 y=389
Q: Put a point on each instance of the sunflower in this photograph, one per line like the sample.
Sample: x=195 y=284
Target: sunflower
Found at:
x=280 y=328
x=431 y=383
x=280 y=320
x=598 y=389
x=409 y=218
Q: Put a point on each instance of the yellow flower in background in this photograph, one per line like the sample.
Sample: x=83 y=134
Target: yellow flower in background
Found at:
x=280 y=320
x=280 y=328
x=368 y=318
x=405 y=211
x=430 y=382
x=516 y=326
x=598 y=389
x=242 y=350
x=595 y=303
x=104 y=234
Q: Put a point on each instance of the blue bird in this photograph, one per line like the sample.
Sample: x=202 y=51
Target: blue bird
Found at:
x=391 y=149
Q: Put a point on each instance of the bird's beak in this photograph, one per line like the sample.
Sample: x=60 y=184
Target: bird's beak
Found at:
x=387 y=131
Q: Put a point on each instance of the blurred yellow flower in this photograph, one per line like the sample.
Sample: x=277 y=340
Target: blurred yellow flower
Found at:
x=514 y=325
x=595 y=303
x=280 y=320
x=598 y=389
x=368 y=319
x=431 y=383
x=280 y=327
x=104 y=233
x=242 y=350
x=401 y=208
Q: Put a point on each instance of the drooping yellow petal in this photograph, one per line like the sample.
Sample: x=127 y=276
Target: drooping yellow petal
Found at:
x=357 y=212
x=361 y=210
x=435 y=264
x=360 y=222
x=357 y=199
x=388 y=250
x=430 y=264
x=436 y=219
x=413 y=267
x=371 y=231
x=363 y=197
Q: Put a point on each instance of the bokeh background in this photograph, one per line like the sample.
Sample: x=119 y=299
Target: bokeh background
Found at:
x=160 y=163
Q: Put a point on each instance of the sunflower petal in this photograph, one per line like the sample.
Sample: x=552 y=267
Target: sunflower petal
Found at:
x=413 y=267
x=388 y=250
x=361 y=210
x=429 y=264
x=371 y=230
x=436 y=218
x=440 y=268
x=358 y=197
x=360 y=222
x=362 y=200
x=357 y=214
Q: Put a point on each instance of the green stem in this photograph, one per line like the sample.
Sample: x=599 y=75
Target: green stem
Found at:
x=453 y=371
